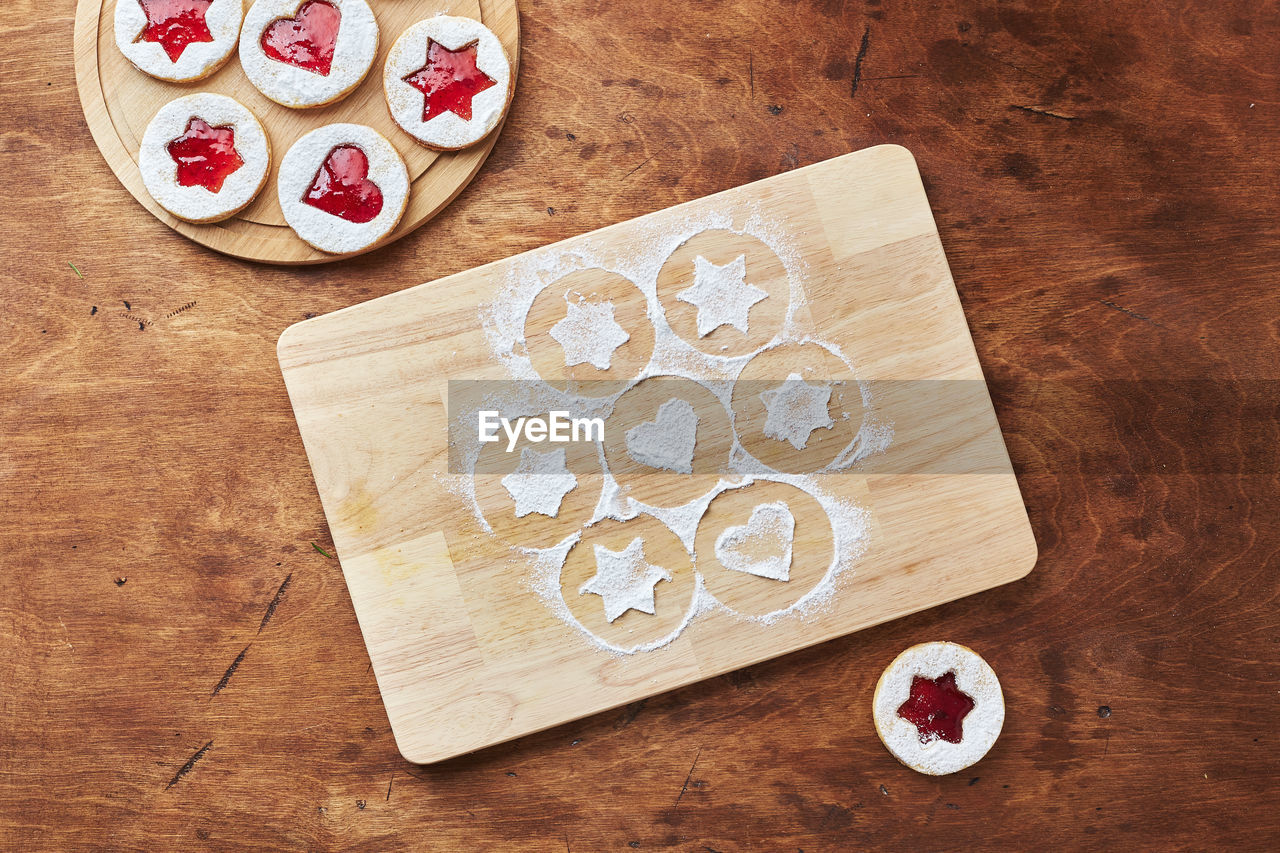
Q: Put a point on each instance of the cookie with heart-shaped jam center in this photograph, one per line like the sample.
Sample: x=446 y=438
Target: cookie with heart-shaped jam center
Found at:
x=308 y=53
x=204 y=157
x=178 y=40
x=343 y=188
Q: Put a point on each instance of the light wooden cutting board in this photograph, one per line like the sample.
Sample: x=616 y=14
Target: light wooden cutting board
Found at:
x=466 y=654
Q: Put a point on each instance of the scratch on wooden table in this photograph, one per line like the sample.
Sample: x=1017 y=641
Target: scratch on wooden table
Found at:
x=1044 y=111
x=857 y=62
x=191 y=762
x=685 y=786
x=231 y=670
x=275 y=602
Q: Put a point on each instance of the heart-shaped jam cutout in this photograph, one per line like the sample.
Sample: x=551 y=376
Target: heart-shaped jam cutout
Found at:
x=450 y=79
x=342 y=186
x=307 y=39
x=174 y=24
x=206 y=155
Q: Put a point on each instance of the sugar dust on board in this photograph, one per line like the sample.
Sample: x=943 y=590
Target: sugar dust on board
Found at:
x=449 y=80
x=937 y=708
x=342 y=186
x=306 y=40
x=174 y=24
x=206 y=155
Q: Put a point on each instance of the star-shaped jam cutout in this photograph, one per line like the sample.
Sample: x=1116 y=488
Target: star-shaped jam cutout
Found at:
x=450 y=79
x=206 y=155
x=937 y=708
x=625 y=580
x=174 y=24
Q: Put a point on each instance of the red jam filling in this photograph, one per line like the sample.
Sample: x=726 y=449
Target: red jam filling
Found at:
x=937 y=708
x=450 y=79
x=307 y=39
x=206 y=155
x=174 y=24
x=342 y=186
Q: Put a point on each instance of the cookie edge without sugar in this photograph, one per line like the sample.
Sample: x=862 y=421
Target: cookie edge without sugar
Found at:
x=121 y=18
x=388 y=75
x=269 y=68
x=986 y=690
x=284 y=175
x=192 y=102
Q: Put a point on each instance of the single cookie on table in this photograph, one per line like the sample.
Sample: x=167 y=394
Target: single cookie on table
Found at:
x=204 y=157
x=343 y=188
x=447 y=82
x=938 y=708
x=308 y=53
x=178 y=40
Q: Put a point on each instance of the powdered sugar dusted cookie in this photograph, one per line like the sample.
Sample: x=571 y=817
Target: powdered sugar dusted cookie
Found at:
x=308 y=53
x=343 y=187
x=938 y=708
x=204 y=157
x=178 y=40
x=448 y=81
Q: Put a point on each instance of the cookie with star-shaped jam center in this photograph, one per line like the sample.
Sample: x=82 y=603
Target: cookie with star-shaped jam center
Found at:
x=178 y=40
x=447 y=81
x=308 y=53
x=938 y=708
x=204 y=157
x=343 y=188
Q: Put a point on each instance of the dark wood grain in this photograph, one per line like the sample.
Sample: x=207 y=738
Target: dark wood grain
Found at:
x=181 y=669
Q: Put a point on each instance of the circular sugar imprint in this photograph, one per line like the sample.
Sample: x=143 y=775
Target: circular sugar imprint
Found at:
x=537 y=493
x=797 y=407
x=667 y=441
x=763 y=547
x=619 y=571
x=588 y=333
x=723 y=292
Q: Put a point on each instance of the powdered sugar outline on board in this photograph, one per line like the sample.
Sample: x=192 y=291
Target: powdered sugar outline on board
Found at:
x=639 y=260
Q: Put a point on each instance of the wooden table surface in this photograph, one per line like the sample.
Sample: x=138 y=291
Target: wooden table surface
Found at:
x=181 y=669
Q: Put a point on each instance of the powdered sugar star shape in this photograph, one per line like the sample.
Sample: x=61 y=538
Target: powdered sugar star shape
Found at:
x=539 y=482
x=721 y=294
x=795 y=409
x=589 y=334
x=625 y=580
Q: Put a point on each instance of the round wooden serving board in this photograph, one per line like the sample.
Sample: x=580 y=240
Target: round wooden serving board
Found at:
x=119 y=101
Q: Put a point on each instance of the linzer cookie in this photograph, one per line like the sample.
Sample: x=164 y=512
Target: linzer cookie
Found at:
x=204 y=157
x=308 y=53
x=938 y=708
x=343 y=187
x=178 y=40
x=447 y=81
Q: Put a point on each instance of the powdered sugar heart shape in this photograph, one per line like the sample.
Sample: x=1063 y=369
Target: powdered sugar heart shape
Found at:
x=667 y=441
x=306 y=40
x=342 y=186
x=762 y=546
